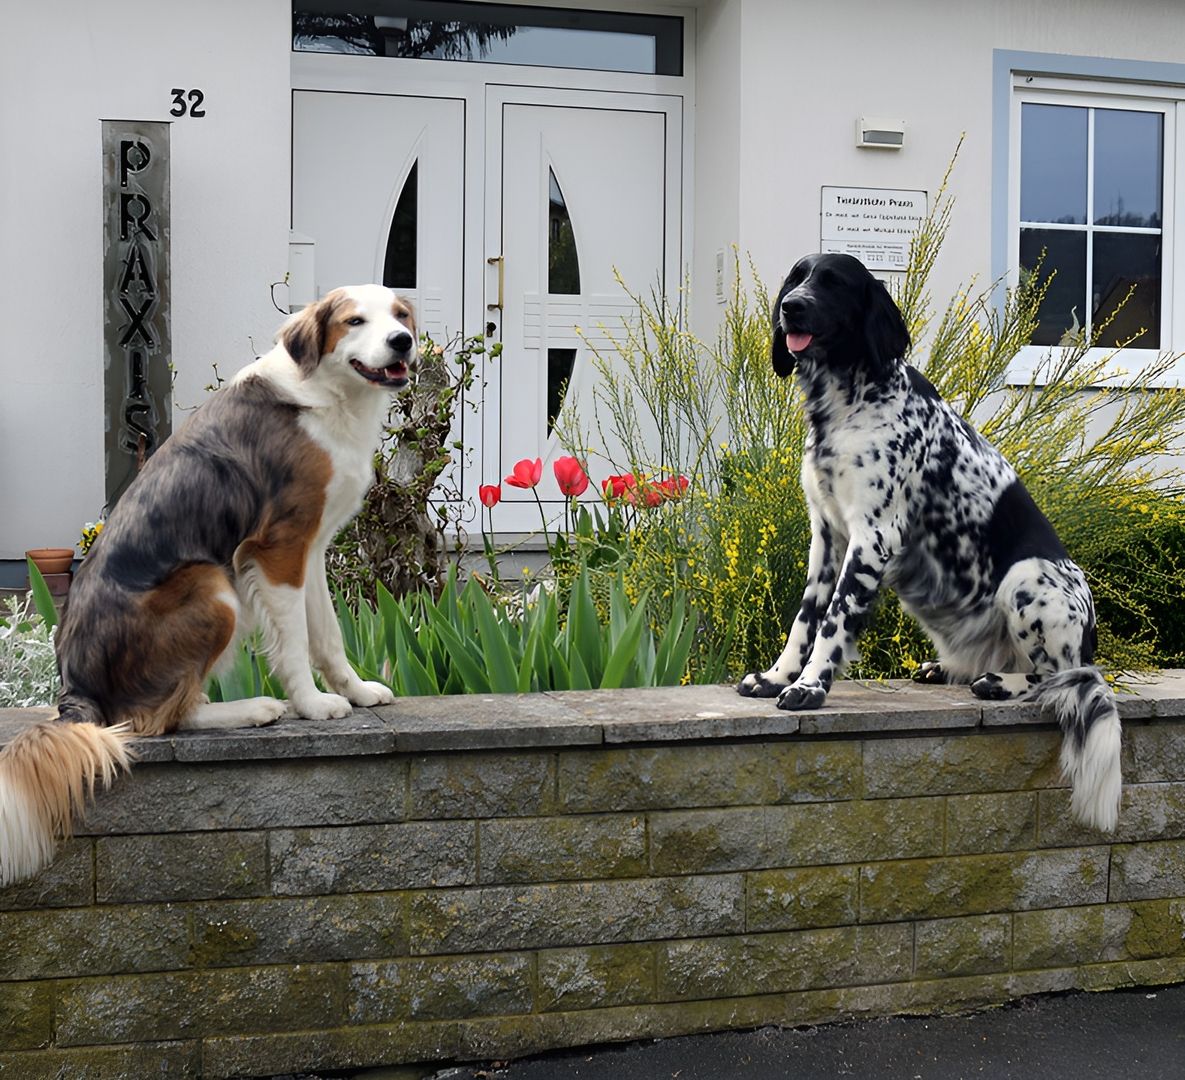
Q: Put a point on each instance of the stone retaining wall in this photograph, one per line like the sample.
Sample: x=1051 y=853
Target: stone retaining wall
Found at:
x=489 y=877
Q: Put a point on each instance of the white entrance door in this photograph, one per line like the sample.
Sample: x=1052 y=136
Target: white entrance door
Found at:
x=576 y=185
x=378 y=182
x=579 y=191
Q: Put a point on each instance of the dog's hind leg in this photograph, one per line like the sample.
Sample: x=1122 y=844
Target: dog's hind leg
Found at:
x=820 y=584
x=932 y=673
x=1051 y=616
x=992 y=687
x=250 y=712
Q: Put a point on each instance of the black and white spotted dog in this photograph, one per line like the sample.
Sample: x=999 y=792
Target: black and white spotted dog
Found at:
x=902 y=491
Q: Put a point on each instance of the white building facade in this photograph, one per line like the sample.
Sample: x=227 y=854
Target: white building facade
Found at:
x=498 y=163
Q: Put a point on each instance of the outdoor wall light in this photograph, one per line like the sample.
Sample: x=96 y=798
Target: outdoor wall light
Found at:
x=877 y=132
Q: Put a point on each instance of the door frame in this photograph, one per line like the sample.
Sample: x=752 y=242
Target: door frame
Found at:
x=475 y=83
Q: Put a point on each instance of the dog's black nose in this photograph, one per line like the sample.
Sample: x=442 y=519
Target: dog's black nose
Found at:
x=793 y=309
x=400 y=341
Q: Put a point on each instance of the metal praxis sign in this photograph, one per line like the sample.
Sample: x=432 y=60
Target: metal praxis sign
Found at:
x=136 y=298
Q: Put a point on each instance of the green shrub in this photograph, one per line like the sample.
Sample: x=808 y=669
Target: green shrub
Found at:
x=28 y=667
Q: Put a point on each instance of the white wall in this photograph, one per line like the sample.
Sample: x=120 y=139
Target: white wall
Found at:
x=64 y=66
x=717 y=147
x=807 y=70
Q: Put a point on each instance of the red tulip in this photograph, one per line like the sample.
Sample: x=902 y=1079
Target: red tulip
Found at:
x=573 y=480
x=526 y=473
x=614 y=487
x=674 y=486
x=490 y=495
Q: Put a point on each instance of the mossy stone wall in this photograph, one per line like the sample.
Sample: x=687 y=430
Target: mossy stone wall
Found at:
x=269 y=905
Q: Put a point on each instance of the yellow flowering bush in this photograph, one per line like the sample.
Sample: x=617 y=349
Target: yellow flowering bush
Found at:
x=1093 y=456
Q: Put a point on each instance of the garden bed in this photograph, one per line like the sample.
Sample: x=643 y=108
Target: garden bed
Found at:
x=488 y=876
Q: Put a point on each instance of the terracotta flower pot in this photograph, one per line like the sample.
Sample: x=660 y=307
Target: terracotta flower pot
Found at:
x=51 y=560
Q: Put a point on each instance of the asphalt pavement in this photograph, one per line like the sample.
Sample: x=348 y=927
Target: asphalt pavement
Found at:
x=1122 y=1034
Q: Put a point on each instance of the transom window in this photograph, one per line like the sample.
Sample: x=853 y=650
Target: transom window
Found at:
x=1093 y=204
x=491 y=33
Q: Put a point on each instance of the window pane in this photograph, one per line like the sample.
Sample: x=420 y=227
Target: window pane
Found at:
x=1126 y=262
x=560 y=363
x=399 y=266
x=1053 y=164
x=492 y=33
x=563 y=267
x=1128 y=166
x=1064 y=306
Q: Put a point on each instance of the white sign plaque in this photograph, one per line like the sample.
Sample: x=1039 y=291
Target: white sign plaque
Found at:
x=873 y=224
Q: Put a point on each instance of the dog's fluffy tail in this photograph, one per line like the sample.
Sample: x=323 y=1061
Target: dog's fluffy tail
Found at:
x=47 y=775
x=1085 y=709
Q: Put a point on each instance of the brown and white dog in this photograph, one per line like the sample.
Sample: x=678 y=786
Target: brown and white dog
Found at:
x=234 y=512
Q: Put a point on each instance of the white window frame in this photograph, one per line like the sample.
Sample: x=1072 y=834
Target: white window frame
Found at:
x=1033 y=360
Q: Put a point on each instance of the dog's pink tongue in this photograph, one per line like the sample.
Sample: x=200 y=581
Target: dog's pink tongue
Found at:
x=798 y=342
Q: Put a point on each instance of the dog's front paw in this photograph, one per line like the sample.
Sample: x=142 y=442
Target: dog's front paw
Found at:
x=370 y=693
x=802 y=695
x=757 y=685
x=319 y=707
x=932 y=673
x=263 y=711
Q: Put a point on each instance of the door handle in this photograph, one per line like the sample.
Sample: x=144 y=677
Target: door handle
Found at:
x=500 y=263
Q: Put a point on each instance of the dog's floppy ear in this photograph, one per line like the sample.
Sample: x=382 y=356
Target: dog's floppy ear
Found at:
x=783 y=361
x=303 y=335
x=885 y=334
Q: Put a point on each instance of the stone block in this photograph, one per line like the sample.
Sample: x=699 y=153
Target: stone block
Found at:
x=69 y=881
x=26 y=1015
x=1062 y=937
x=1153 y=753
x=1160 y=694
x=666 y=713
x=458 y=987
x=816 y=770
x=1154 y=811
x=595 y=977
x=180 y=866
x=798 y=960
x=196 y=1004
x=855 y=706
x=562 y=848
x=848 y=832
x=974 y=945
x=487 y=721
x=373 y=858
x=359 y=733
x=255 y=795
x=646 y=778
x=1004 y=821
x=802 y=898
x=175 y=1060
x=68 y=942
x=479 y=785
x=291 y=931
x=708 y=841
x=961 y=764
x=1131 y=973
x=575 y=913
x=1148 y=871
x=978 y=884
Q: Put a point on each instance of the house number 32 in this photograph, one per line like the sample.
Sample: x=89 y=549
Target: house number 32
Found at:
x=187 y=101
